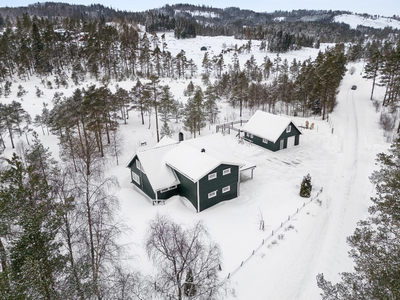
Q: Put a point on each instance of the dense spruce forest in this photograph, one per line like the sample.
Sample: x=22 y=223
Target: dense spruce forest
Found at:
x=67 y=209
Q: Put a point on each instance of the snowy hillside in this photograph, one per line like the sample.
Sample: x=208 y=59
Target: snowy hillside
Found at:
x=379 y=22
x=302 y=238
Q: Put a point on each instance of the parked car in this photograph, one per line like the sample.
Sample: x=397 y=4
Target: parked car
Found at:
x=354 y=87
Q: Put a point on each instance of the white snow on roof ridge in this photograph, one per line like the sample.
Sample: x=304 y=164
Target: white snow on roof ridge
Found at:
x=189 y=159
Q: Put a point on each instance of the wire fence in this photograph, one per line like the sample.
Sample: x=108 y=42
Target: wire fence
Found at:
x=273 y=233
x=229 y=125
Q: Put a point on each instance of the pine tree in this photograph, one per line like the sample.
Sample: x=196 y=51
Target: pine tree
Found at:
x=165 y=130
x=306 y=187
x=166 y=103
x=372 y=68
x=194 y=113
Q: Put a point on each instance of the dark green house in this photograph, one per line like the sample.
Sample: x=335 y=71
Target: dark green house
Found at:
x=151 y=175
x=204 y=176
x=271 y=131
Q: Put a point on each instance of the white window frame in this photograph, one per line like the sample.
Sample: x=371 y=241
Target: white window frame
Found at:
x=168 y=189
x=226 y=171
x=226 y=189
x=139 y=166
x=289 y=128
x=265 y=141
x=136 y=177
x=212 y=176
x=212 y=194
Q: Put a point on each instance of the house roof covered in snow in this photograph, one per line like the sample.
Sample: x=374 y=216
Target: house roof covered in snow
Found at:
x=197 y=157
x=193 y=158
x=153 y=164
x=267 y=126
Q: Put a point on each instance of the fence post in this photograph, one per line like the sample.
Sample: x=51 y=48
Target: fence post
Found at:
x=229 y=275
x=281 y=224
x=241 y=264
x=253 y=252
x=288 y=217
x=272 y=233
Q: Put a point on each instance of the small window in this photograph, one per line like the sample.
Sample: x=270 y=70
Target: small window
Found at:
x=212 y=176
x=168 y=189
x=139 y=166
x=226 y=189
x=226 y=171
x=289 y=128
x=136 y=177
x=265 y=141
x=212 y=194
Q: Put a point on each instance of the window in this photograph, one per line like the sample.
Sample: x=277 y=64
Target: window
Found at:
x=139 y=166
x=226 y=171
x=289 y=128
x=212 y=194
x=168 y=189
x=265 y=141
x=248 y=135
x=226 y=189
x=135 y=177
x=212 y=176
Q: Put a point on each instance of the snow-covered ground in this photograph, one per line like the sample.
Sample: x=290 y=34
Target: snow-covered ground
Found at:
x=378 y=22
x=339 y=155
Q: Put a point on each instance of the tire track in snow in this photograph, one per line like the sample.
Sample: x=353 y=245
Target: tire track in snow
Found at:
x=336 y=223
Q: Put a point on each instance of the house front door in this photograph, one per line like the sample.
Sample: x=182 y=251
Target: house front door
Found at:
x=282 y=142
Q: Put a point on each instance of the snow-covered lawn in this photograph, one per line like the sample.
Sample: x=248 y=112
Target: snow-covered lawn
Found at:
x=339 y=155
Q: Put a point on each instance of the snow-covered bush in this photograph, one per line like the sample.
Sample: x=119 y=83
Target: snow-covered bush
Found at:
x=306 y=187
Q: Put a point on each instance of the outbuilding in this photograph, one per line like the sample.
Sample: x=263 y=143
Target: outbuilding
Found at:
x=271 y=131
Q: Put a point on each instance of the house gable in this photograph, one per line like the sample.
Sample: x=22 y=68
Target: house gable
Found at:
x=224 y=182
x=139 y=177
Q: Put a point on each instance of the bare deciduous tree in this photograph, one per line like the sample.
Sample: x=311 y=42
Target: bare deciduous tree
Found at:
x=187 y=260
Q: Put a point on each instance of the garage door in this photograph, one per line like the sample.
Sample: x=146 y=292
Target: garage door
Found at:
x=290 y=141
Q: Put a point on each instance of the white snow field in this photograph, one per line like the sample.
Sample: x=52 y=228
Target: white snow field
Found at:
x=375 y=22
x=339 y=155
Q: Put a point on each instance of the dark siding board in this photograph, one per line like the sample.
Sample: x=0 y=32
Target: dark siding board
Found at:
x=167 y=194
x=187 y=188
x=145 y=185
x=276 y=146
x=207 y=186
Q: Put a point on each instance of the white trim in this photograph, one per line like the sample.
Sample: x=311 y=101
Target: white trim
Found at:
x=135 y=177
x=198 y=195
x=212 y=176
x=289 y=128
x=226 y=171
x=265 y=141
x=212 y=194
x=226 y=189
x=168 y=189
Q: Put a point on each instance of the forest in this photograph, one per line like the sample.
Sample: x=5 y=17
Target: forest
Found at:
x=58 y=225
